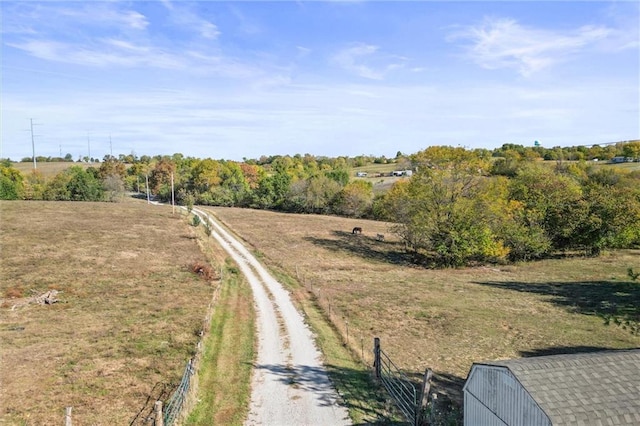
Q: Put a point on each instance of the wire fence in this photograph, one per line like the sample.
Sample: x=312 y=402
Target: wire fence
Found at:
x=145 y=416
x=174 y=405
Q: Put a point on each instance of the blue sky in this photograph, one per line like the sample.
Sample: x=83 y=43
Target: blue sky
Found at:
x=241 y=79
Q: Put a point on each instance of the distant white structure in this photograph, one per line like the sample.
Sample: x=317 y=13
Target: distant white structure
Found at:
x=361 y=174
x=407 y=173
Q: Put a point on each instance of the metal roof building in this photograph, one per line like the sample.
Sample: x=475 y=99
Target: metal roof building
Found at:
x=596 y=388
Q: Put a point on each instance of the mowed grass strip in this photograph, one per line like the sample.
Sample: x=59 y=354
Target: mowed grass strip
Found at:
x=129 y=316
x=442 y=319
x=224 y=375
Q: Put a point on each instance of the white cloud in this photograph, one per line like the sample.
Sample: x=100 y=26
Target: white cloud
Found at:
x=504 y=43
x=364 y=60
x=101 y=53
x=134 y=20
x=337 y=119
x=95 y=14
x=303 y=51
x=185 y=18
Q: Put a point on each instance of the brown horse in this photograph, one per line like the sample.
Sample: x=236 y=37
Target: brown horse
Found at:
x=357 y=230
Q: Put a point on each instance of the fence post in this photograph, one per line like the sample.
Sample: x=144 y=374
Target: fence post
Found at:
x=67 y=416
x=158 y=411
x=424 y=393
x=376 y=356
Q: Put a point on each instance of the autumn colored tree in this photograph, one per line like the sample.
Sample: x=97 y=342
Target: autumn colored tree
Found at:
x=439 y=212
x=631 y=150
x=111 y=167
x=355 y=199
x=319 y=194
x=160 y=178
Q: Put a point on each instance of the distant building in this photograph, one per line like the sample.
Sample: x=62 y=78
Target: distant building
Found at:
x=402 y=173
x=616 y=160
x=596 y=388
x=361 y=174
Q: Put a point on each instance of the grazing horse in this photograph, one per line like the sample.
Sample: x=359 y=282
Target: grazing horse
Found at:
x=357 y=230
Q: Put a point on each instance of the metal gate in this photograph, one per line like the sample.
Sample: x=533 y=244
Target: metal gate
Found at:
x=398 y=385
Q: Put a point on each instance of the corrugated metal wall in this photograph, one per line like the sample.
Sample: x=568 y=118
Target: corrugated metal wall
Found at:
x=493 y=397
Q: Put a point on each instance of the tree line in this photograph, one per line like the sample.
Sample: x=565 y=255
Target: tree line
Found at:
x=460 y=206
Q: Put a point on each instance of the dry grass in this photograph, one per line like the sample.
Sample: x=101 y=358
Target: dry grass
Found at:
x=50 y=169
x=442 y=319
x=129 y=315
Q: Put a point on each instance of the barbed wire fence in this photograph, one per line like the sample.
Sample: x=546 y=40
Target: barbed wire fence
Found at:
x=352 y=338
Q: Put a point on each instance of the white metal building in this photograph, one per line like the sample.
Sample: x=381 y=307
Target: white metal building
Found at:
x=596 y=388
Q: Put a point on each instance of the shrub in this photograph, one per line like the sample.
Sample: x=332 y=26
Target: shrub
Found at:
x=204 y=270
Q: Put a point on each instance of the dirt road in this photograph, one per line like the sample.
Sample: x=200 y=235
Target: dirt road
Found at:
x=290 y=386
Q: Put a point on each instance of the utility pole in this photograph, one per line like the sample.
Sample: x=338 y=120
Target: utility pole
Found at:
x=173 y=204
x=110 y=146
x=33 y=144
x=147 y=177
x=89 y=146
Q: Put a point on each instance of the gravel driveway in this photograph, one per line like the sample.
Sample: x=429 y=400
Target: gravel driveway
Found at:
x=290 y=385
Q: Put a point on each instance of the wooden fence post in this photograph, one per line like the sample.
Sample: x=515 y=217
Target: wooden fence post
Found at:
x=376 y=356
x=67 y=416
x=158 y=411
x=424 y=392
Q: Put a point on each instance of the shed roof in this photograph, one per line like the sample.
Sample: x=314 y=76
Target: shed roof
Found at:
x=582 y=389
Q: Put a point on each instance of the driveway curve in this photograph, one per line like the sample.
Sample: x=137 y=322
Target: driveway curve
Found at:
x=290 y=385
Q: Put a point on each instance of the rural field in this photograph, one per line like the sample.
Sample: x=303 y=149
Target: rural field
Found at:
x=131 y=311
x=129 y=314
x=441 y=319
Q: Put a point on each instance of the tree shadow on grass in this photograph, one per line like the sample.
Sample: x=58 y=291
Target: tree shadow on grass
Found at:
x=614 y=301
x=562 y=350
x=364 y=246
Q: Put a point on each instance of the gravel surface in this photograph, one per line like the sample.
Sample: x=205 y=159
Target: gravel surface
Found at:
x=290 y=385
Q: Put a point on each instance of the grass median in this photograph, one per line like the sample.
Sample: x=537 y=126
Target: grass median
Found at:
x=224 y=374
